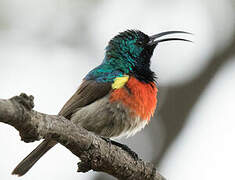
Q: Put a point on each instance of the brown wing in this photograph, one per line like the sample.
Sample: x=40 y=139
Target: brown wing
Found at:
x=88 y=92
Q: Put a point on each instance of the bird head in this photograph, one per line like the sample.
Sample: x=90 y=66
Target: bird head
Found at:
x=130 y=52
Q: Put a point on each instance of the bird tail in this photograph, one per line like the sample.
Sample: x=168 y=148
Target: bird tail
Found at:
x=33 y=157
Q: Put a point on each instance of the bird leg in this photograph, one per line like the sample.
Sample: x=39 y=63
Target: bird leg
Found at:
x=123 y=147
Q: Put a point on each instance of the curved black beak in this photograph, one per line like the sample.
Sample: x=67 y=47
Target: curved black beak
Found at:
x=154 y=39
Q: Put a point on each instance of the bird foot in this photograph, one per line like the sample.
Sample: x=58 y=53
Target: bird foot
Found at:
x=123 y=147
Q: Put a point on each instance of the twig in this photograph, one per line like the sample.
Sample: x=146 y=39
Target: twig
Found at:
x=94 y=153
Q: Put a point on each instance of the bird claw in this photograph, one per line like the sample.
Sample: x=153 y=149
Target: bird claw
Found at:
x=123 y=147
x=133 y=154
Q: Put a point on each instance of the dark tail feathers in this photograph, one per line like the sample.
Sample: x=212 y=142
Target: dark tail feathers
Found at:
x=33 y=157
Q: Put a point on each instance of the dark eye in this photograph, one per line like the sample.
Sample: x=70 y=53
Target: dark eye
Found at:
x=140 y=43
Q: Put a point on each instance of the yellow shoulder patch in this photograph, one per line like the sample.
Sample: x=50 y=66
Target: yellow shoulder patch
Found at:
x=120 y=82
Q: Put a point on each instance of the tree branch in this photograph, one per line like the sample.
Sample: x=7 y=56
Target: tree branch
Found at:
x=94 y=152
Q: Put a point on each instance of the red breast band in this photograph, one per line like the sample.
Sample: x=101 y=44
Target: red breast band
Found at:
x=140 y=97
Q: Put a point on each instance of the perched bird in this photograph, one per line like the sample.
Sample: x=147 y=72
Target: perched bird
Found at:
x=118 y=97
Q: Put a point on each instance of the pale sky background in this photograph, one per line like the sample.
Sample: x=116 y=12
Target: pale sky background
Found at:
x=47 y=47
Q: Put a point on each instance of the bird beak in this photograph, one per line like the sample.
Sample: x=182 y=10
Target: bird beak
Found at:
x=154 y=39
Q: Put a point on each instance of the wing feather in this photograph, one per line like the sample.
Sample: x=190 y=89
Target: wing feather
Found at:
x=88 y=92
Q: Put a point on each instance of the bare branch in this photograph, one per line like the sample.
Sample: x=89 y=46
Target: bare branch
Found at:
x=93 y=151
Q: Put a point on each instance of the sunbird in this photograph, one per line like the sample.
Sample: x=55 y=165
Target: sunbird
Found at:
x=118 y=97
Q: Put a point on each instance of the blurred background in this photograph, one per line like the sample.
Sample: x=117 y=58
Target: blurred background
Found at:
x=47 y=47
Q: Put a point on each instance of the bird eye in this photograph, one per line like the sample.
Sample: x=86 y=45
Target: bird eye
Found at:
x=139 y=43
